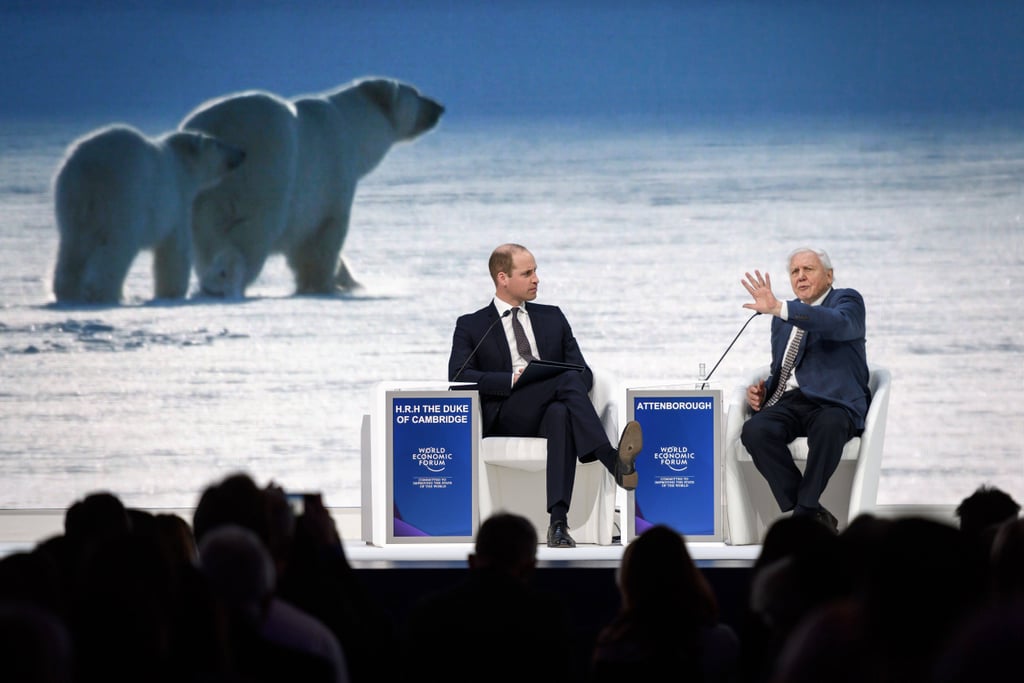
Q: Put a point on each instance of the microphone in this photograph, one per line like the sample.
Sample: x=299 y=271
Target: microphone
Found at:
x=705 y=384
x=472 y=353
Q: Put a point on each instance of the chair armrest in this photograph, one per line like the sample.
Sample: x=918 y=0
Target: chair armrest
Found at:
x=736 y=414
x=604 y=396
x=869 y=466
x=738 y=409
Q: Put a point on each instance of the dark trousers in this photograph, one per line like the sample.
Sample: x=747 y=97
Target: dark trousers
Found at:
x=558 y=409
x=766 y=436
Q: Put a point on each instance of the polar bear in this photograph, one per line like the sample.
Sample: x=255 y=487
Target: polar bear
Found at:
x=118 y=192
x=294 y=195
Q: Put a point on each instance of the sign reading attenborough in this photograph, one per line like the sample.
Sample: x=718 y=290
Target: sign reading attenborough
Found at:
x=680 y=464
x=432 y=470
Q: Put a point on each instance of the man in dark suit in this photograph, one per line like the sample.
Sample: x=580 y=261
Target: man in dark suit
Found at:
x=485 y=351
x=818 y=386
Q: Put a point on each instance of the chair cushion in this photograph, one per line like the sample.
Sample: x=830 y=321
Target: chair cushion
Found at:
x=518 y=452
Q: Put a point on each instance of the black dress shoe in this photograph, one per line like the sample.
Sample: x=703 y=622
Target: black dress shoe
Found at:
x=630 y=443
x=558 y=536
x=828 y=519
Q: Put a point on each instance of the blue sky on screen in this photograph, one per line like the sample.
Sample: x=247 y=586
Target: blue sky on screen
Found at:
x=64 y=58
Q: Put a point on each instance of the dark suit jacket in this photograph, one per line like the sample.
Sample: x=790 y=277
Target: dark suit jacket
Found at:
x=490 y=368
x=832 y=362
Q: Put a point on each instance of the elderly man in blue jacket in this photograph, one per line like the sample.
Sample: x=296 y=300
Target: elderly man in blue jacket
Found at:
x=818 y=386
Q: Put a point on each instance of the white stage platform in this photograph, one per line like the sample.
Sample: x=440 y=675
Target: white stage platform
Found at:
x=365 y=556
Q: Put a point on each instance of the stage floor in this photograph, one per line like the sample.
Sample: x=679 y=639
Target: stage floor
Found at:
x=365 y=556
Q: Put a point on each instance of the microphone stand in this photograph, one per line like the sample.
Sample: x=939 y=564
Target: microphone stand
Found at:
x=472 y=353
x=705 y=379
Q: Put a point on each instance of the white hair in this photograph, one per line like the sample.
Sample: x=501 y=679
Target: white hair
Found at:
x=822 y=255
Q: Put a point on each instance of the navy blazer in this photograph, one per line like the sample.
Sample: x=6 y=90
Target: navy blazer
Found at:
x=490 y=368
x=831 y=364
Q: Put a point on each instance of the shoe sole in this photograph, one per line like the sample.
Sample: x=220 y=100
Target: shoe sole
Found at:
x=630 y=444
x=630 y=481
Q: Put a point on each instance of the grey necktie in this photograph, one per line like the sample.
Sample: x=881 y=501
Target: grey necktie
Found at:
x=522 y=343
x=787 y=367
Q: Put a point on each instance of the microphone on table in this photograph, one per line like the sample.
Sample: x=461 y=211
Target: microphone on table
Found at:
x=472 y=353
x=705 y=379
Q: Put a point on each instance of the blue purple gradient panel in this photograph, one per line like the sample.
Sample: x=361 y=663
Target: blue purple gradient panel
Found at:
x=433 y=466
x=677 y=463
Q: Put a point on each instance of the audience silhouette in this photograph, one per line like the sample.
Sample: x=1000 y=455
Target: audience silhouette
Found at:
x=493 y=624
x=668 y=618
x=35 y=645
x=254 y=592
x=318 y=578
x=1007 y=563
x=986 y=648
x=988 y=645
x=267 y=633
x=981 y=514
x=267 y=514
x=987 y=507
x=797 y=569
x=904 y=614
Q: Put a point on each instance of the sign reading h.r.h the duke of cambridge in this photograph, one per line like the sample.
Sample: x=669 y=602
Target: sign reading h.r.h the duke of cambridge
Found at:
x=680 y=465
x=432 y=471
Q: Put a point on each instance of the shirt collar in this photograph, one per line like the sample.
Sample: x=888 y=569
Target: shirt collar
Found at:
x=501 y=306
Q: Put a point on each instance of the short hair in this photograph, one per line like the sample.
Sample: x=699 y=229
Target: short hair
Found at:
x=822 y=255
x=506 y=541
x=100 y=514
x=236 y=499
x=985 y=507
x=501 y=259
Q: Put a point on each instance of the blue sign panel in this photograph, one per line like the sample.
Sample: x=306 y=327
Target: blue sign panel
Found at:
x=432 y=471
x=679 y=466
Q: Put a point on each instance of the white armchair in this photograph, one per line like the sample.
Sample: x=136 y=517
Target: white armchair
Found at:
x=513 y=471
x=852 y=489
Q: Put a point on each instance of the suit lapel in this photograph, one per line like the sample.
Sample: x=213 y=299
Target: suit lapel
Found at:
x=538 y=323
x=498 y=341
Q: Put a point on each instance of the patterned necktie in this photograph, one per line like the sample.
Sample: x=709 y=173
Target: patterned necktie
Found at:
x=522 y=343
x=787 y=367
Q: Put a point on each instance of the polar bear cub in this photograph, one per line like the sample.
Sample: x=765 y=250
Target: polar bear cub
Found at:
x=294 y=194
x=118 y=192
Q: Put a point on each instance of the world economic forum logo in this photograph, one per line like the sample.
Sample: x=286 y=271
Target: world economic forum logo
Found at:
x=434 y=458
x=676 y=458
